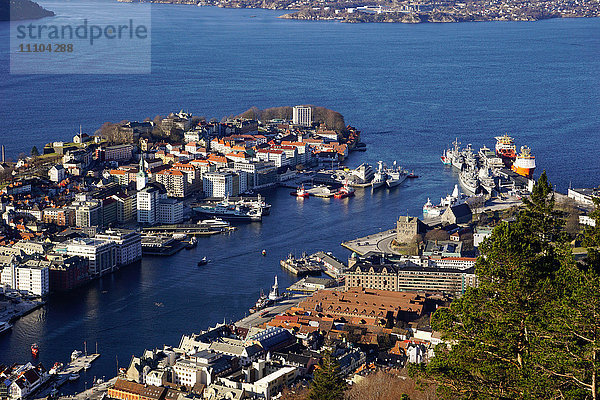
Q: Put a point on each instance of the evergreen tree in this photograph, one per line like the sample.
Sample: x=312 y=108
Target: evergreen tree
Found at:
x=572 y=341
x=494 y=329
x=34 y=151
x=327 y=383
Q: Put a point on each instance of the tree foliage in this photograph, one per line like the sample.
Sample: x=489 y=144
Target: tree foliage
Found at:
x=528 y=330
x=327 y=383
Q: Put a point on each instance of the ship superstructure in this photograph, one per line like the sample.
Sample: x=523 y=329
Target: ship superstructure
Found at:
x=524 y=163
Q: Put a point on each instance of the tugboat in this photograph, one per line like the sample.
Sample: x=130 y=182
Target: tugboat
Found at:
x=192 y=243
x=35 y=350
x=300 y=192
x=202 y=262
x=345 y=191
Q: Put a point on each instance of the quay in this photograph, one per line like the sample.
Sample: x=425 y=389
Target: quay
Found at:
x=160 y=245
x=12 y=310
x=311 y=284
x=72 y=369
x=266 y=314
x=302 y=266
x=190 y=229
x=375 y=243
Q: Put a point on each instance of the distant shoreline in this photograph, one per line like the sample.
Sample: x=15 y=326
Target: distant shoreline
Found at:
x=359 y=13
x=21 y=10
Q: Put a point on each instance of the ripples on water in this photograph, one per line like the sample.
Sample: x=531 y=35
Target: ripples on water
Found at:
x=410 y=89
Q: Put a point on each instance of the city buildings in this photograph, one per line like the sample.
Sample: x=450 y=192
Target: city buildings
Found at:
x=102 y=255
x=31 y=277
x=128 y=244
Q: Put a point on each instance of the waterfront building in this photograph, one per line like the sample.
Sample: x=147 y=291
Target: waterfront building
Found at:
x=31 y=277
x=147 y=203
x=67 y=272
x=221 y=184
x=302 y=115
x=109 y=211
x=27 y=379
x=362 y=306
x=277 y=156
x=169 y=211
x=128 y=244
x=457 y=214
x=102 y=255
x=407 y=228
x=584 y=195
x=247 y=353
x=260 y=174
x=57 y=173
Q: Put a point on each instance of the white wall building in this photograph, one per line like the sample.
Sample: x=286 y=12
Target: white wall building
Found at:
x=169 y=211
x=102 y=255
x=129 y=244
x=221 y=184
x=31 y=278
x=302 y=115
x=57 y=173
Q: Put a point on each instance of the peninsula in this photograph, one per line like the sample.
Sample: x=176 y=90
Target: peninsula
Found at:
x=411 y=11
x=17 y=10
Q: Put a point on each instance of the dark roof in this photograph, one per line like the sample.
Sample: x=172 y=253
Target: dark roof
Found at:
x=461 y=210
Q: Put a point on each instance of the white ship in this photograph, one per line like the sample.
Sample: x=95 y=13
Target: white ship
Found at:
x=469 y=181
x=380 y=177
x=455 y=198
x=215 y=223
x=259 y=202
x=231 y=211
x=395 y=176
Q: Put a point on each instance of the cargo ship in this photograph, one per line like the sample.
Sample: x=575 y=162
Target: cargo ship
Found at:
x=506 y=149
x=524 y=163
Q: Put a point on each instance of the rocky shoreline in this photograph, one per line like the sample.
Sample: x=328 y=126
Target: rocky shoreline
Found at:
x=18 y=10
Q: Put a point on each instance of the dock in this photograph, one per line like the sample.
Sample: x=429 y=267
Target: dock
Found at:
x=189 y=229
x=321 y=191
x=376 y=243
x=302 y=266
x=73 y=368
x=267 y=313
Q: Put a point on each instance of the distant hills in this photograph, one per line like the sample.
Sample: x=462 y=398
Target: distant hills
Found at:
x=22 y=10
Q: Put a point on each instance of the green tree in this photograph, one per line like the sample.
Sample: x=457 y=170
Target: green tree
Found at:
x=327 y=383
x=572 y=340
x=34 y=151
x=494 y=329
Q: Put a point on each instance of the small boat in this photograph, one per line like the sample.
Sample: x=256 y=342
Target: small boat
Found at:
x=73 y=377
x=192 y=243
x=202 y=262
x=412 y=175
x=86 y=366
x=35 y=350
x=76 y=354
x=56 y=368
x=159 y=304
x=264 y=253
x=345 y=191
x=300 y=192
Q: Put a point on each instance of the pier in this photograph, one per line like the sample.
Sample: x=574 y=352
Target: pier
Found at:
x=302 y=266
x=72 y=369
x=189 y=229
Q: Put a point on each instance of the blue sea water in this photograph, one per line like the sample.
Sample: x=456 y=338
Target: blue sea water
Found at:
x=411 y=89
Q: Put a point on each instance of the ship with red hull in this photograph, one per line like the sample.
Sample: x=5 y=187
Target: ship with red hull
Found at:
x=506 y=149
x=524 y=163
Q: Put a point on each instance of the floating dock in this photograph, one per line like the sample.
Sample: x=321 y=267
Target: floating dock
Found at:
x=71 y=369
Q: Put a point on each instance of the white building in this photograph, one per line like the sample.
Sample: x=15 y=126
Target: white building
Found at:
x=221 y=184
x=169 y=211
x=129 y=244
x=147 y=200
x=102 y=255
x=584 y=196
x=302 y=115
x=33 y=279
x=57 y=173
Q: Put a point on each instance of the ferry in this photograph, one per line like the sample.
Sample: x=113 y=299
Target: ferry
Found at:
x=215 y=223
x=4 y=327
x=524 y=163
